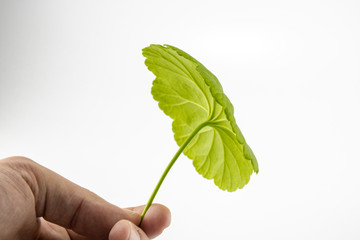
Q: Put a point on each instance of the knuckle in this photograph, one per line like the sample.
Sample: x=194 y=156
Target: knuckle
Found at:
x=17 y=162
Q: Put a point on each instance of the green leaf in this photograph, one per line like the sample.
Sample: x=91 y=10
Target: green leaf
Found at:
x=193 y=97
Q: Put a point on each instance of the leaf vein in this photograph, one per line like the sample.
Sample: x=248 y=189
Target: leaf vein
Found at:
x=192 y=78
x=184 y=101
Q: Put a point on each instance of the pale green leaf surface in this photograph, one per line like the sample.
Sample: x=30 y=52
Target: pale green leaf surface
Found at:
x=192 y=96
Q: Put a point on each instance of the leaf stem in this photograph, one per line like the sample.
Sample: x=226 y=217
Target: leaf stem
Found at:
x=171 y=163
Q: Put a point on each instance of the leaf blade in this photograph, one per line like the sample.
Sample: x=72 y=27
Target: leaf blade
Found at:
x=191 y=95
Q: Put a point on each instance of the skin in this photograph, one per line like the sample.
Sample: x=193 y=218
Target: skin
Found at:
x=36 y=203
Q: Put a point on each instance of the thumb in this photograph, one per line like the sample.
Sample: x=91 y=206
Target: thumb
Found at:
x=126 y=230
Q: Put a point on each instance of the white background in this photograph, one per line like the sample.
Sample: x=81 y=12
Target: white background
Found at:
x=75 y=97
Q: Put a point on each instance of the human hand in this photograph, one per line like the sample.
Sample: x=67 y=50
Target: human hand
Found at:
x=36 y=203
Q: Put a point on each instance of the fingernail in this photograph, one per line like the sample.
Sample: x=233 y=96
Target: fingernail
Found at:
x=134 y=234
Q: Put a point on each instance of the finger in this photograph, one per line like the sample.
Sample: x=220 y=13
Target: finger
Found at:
x=51 y=231
x=74 y=236
x=156 y=219
x=64 y=203
x=125 y=230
